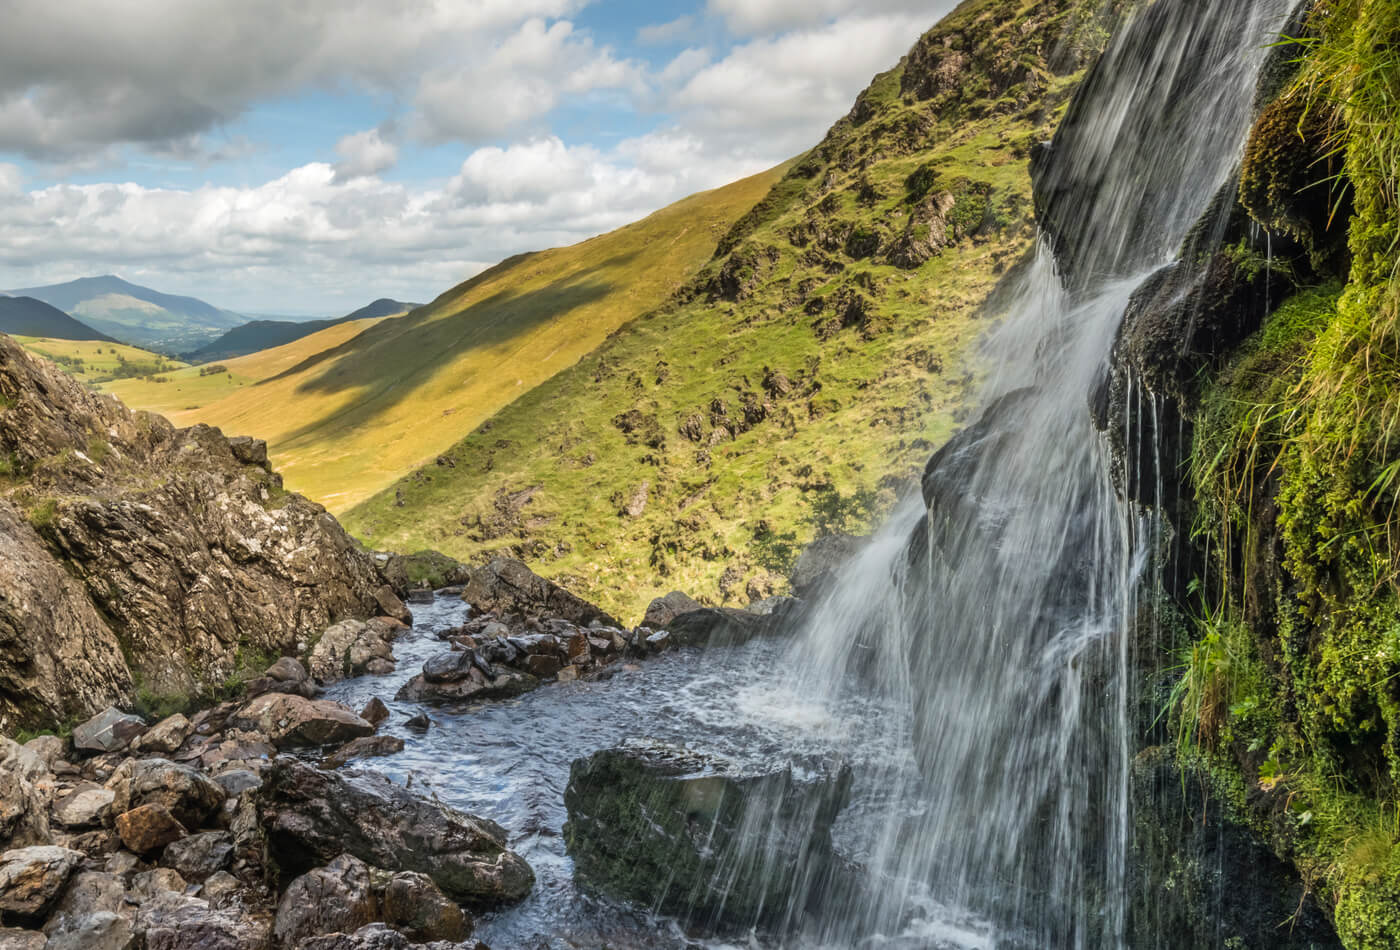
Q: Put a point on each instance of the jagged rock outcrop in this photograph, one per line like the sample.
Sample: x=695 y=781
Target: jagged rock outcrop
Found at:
x=132 y=551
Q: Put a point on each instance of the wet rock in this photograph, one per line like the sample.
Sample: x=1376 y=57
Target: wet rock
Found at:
x=188 y=795
x=310 y=817
x=507 y=587
x=31 y=880
x=375 y=712
x=693 y=836
x=543 y=665
x=414 y=905
x=109 y=731
x=717 y=626
x=659 y=641
x=164 y=737
x=84 y=807
x=148 y=828
x=418 y=723
x=367 y=747
x=420 y=596
x=820 y=562
x=336 y=898
x=663 y=610
x=290 y=721
x=347 y=649
x=459 y=676
x=287 y=669
x=176 y=922
x=199 y=856
x=391 y=606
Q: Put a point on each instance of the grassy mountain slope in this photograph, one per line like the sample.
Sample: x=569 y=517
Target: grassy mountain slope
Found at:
x=800 y=380
x=259 y=335
x=30 y=317
x=137 y=315
x=98 y=362
x=349 y=420
x=182 y=395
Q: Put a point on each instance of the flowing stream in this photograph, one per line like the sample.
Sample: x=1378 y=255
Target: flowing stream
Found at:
x=973 y=664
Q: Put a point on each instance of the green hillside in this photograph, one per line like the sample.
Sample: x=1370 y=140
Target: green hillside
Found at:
x=349 y=418
x=798 y=382
x=99 y=362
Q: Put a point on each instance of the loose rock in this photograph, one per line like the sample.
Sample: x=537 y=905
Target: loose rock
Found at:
x=149 y=828
x=363 y=748
x=290 y=721
x=109 y=731
x=31 y=879
x=199 y=856
x=334 y=899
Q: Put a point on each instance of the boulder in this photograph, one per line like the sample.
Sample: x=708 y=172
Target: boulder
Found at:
x=309 y=817
x=366 y=747
x=249 y=451
x=109 y=731
x=84 y=807
x=190 y=796
x=148 y=885
x=716 y=626
x=47 y=750
x=347 y=648
x=31 y=879
x=418 y=722
x=176 y=922
x=663 y=610
x=507 y=587
x=290 y=721
x=287 y=669
x=336 y=898
x=692 y=835
x=148 y=828
x=92 y=915
x=235 y=782
x=12 y=938
x=199 y=856
x=101 y=930
x=375 y=712
x=24 y=807
x=467 y=675
x=391 y=606
x=412 y=904
x=164 y=737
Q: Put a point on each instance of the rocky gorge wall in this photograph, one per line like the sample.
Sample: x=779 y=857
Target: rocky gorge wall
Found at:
x=140 y=563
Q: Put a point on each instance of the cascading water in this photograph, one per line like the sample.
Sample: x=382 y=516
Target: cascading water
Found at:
x=998 y=637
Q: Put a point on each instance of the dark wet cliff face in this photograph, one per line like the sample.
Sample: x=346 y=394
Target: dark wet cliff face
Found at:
x=144 y=557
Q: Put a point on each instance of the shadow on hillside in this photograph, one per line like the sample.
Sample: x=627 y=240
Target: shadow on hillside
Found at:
x=391 y=356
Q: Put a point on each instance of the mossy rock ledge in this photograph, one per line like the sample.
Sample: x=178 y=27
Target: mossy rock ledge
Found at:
x=694 y=836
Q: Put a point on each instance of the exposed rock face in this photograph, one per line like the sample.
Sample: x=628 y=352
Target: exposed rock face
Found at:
x=690 y=835
x=508 y=587
x=311 y=817
x=126 y=536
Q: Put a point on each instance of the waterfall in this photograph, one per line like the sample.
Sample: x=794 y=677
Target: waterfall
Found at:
x=992 y=619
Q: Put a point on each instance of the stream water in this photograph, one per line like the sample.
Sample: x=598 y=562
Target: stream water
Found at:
x=973 y=666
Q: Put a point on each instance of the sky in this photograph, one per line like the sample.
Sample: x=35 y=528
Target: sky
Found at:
x=304 y=157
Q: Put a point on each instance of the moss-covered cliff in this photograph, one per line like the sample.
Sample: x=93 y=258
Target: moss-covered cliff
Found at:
x=1288 y=688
